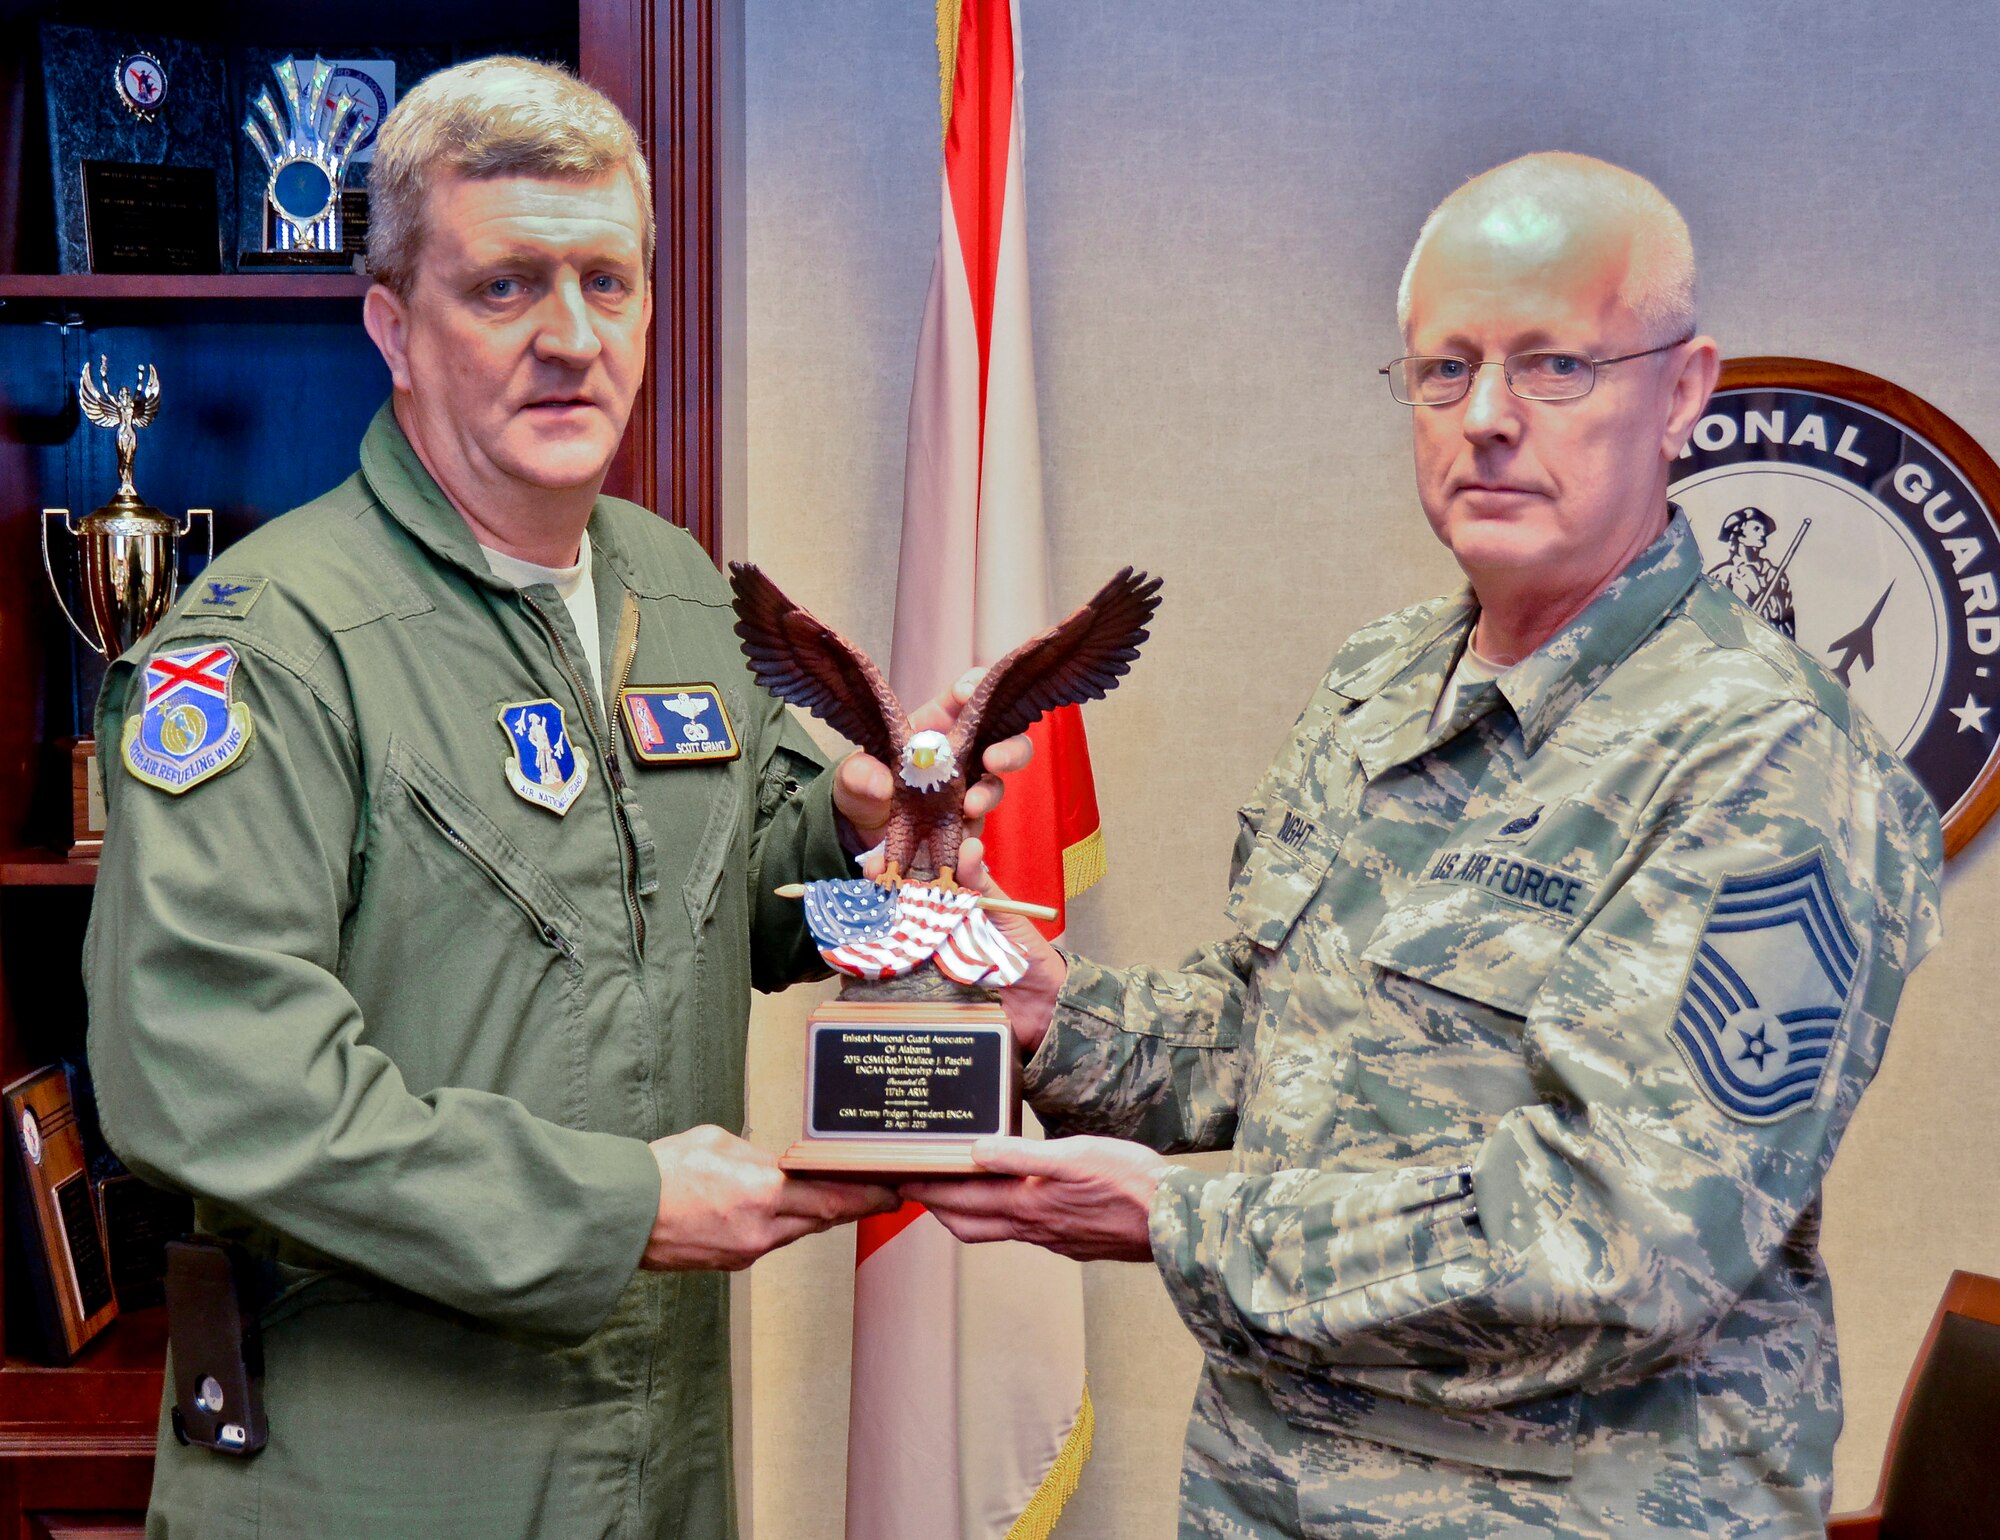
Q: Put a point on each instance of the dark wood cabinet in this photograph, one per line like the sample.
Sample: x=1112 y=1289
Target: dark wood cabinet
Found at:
x=267 y=382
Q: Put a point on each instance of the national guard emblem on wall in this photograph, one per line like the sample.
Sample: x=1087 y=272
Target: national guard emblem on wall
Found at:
x=1767 y=989
x=189 y=729
x=545 y=767
x=1859 y=521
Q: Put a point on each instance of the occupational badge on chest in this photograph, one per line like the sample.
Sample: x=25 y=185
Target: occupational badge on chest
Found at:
x=189 y=729
x=678 y=724
x=546 y=768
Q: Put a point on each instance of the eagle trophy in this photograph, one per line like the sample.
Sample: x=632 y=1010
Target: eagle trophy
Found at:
x=801 y=659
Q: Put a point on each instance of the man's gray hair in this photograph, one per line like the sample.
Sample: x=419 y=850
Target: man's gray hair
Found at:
x=1564 y=192
x=497 y=116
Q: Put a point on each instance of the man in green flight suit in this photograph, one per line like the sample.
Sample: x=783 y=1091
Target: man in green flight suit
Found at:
x=1567 y=930
x=445 y=820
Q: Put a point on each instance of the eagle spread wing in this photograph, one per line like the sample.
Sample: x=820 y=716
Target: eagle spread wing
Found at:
x=97 y=406
x=1078 y=659
x=805 y=661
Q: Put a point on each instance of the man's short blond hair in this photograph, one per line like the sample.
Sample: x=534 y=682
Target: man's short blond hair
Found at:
x=1572 y=191
x=497 y=116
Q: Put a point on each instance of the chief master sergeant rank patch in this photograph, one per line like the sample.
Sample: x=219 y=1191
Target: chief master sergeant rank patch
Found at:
x=1767 y=989
x=188 y=730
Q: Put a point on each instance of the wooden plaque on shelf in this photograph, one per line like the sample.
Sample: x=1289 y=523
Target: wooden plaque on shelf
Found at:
x=86 y=798
x=58 y=1234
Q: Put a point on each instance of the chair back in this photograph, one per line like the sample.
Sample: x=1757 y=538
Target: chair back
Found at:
x=1941 y=1477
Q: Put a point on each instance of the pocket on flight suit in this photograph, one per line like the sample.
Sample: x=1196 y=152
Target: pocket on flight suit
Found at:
x=473 y=931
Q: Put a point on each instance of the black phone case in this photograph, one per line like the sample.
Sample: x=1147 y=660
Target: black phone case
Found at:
x=217 y=1356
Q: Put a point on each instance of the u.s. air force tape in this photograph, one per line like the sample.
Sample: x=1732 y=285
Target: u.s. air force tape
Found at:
x=1498 y=871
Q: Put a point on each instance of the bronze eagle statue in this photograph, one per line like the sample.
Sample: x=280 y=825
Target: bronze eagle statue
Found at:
x=801 y=659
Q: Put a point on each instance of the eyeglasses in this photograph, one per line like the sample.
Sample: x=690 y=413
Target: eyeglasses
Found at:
x=1545 y=374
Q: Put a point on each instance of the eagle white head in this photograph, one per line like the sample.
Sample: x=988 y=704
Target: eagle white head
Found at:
x=928 y=761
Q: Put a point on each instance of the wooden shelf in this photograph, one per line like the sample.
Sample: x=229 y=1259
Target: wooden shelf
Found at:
x=113 y=1389
x=46 y=869
x=182 y=286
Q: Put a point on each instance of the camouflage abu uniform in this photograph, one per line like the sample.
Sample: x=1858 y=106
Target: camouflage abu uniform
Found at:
x=1534 y=1039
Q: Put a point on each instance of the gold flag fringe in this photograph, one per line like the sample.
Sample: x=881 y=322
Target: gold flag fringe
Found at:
x=1038 y=1519
x=947 y=33
x=1083 y=864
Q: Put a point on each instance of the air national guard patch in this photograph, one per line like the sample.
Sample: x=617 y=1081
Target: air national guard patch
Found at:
x=545 y=767
x=678 y=724
x=188 y=729
x=1767 y=990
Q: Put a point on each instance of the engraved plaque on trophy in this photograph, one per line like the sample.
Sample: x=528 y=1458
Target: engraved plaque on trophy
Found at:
x=906 y=1086
x=57 y=1230
x=128 y=569
x=150 y=219
x=916 y=1060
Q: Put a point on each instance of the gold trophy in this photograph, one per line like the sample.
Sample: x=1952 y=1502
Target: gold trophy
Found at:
x=129 y=570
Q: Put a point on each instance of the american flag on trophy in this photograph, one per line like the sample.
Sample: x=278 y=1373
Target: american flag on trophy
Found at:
x=864 y=929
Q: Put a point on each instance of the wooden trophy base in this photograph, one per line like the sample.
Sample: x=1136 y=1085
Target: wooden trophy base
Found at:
x=898 y=1088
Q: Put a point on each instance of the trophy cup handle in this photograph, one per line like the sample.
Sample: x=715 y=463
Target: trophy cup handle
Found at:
x=48 y=566
x=186 y=524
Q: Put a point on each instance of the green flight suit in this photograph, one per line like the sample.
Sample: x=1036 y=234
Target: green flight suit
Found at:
x=1534 y=1039
x=405 y=1033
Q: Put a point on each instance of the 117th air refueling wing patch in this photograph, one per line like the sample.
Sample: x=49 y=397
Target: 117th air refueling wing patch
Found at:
x=188 y=729
x=678 y=724
x=1767 y=990
x=545 y=767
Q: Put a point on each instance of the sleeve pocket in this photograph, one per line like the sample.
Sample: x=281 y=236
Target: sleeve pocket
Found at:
x=1275 y=883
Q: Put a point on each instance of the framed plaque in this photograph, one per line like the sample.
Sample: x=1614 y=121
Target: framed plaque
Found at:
x=150 y=109
x=58 y=1232
x=1858 y=519
x=903 y=1088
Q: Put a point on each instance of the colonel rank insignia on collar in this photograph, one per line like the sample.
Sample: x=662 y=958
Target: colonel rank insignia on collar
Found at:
x=189 y=730
x=677 y=724
x=545 y=767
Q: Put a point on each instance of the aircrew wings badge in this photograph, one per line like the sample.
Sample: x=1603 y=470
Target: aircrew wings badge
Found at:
x=1767 y=989
x=545 y=767
x=188 y=730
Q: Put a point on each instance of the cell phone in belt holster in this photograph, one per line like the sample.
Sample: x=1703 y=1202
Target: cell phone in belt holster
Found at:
x=218 y=1357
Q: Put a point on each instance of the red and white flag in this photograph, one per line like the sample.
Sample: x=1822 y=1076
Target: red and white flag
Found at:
x=970 y=1419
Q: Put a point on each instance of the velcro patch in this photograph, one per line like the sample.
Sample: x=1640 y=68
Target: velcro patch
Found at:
x=224 y=599
x=1767 y=990
x=673 y=724
x=189 y=729
x=545 y=767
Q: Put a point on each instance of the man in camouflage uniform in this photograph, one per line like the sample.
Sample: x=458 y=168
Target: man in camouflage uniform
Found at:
x=1568 y=928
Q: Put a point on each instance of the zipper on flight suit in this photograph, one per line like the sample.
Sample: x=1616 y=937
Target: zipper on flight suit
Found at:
x=543 y=927
x=607 y=753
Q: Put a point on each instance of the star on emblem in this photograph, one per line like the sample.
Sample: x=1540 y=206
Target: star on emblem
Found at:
x=1971 y=716
x=1756 y=1048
